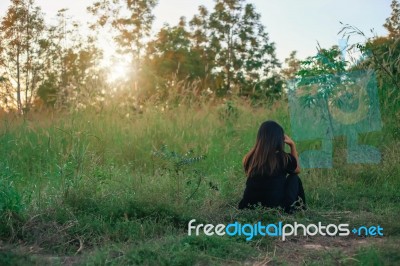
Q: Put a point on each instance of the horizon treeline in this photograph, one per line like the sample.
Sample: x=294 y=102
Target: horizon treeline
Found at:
x=217 y=53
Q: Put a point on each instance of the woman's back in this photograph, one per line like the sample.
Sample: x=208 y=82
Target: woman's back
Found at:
x=268 y=189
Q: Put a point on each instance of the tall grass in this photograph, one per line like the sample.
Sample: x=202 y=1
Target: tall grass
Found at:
x=91 y=183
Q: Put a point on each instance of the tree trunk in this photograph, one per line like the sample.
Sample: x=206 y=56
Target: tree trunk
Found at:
x=19 y=104
x=27 y=63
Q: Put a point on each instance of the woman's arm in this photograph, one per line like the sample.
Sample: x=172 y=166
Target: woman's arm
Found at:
x=293 y=151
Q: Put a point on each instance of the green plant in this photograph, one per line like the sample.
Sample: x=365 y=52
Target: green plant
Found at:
x=11 y=209
x=181 y=165
x=10 y=199
x=228 y=112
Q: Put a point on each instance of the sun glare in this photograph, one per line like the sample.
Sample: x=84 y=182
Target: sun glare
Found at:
x=118 y=66
x=118 y=70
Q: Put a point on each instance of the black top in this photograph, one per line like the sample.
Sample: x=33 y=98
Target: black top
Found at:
x=267 y=189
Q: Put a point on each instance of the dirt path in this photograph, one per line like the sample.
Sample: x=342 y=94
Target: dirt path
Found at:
x=298 y=250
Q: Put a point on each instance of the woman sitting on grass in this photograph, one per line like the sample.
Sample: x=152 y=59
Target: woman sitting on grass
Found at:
x=266 y=167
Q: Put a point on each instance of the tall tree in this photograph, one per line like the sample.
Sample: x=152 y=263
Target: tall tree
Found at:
x=224 y=26
x=199 y=35
x=131 y=20
x=172 y=56
x=59 y=44
x=200 y=26
x=244 y=56
x=21 y=30
x=70 y=63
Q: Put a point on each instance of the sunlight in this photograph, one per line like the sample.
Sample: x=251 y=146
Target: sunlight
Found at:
x=118 y=66
x=118 y=70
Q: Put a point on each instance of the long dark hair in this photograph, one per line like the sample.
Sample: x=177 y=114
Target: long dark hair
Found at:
x=265 y=156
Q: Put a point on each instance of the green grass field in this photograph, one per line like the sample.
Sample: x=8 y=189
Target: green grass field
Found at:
x=105 y=188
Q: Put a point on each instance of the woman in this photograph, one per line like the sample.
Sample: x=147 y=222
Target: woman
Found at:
x=272 y=179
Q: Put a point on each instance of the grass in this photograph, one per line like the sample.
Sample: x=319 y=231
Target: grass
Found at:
x=88 y=188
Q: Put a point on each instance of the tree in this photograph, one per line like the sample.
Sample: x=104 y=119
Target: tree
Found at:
x=70 y=63
x=327 y=61
x=199 y=35
x=21 y=31
x=59 y=44
x=393 y=22
x=131 y=20
x=244 y=56
x=227 y=50
x=382 y=54
x=293 y=66
x=172 y=56
x=319 y=82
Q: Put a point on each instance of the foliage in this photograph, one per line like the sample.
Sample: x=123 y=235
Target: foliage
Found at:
x=382 y=55
x=327 y=61
x=45 y=65
x=392 y=23
x=10 y=200
x=178 y=160
x=243 y=55
x=11 y=208
x=228 y=112
x=181 y=166
x=132 y=22
x=317 y=84
x=293 y=66
x=21 y=32
x=226 y=50
x=171 y=58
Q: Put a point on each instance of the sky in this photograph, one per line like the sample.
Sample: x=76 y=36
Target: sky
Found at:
x=291 y=24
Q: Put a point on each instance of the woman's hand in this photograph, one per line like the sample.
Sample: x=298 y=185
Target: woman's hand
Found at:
x=293 y=151
x=288 y=140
